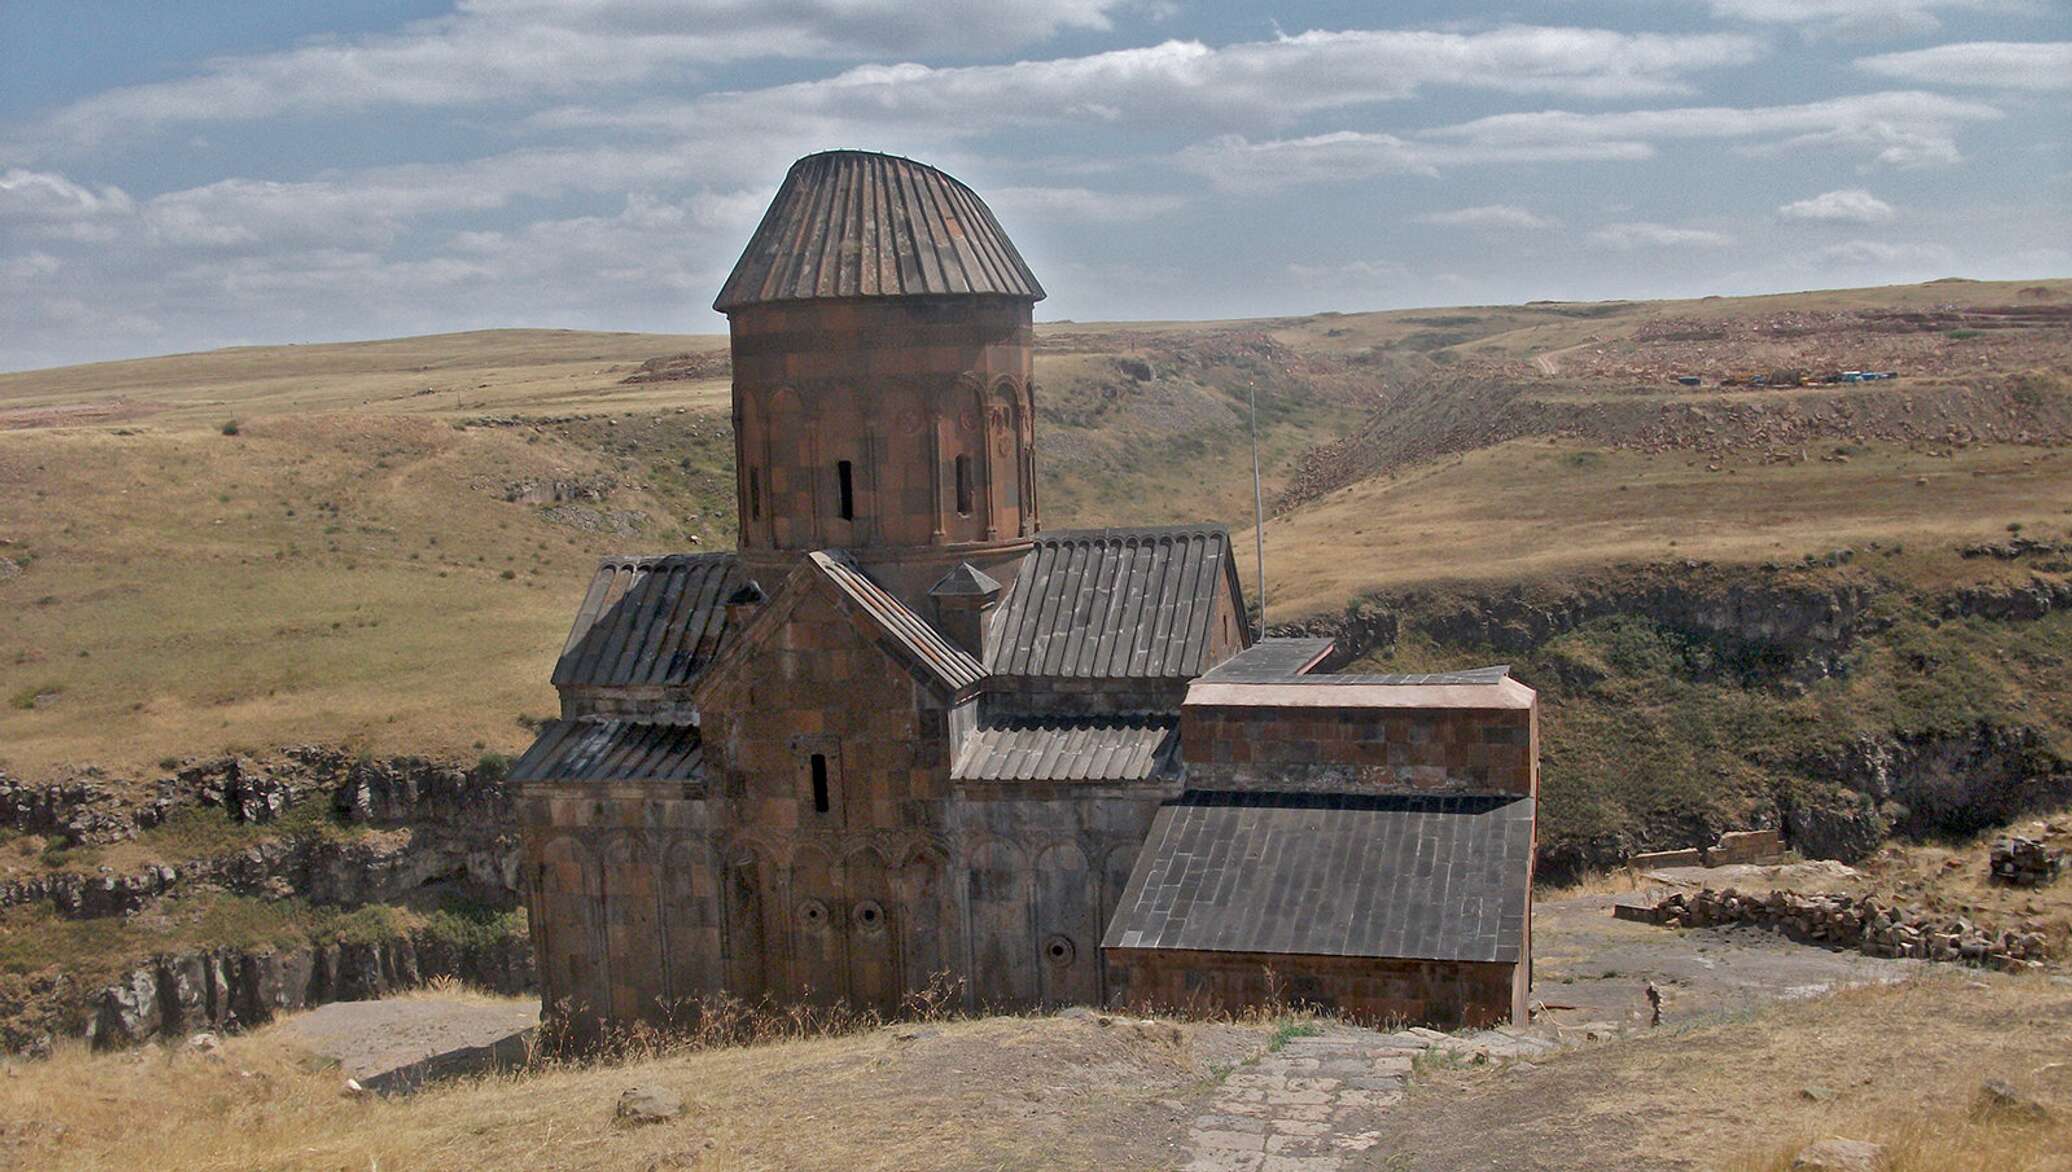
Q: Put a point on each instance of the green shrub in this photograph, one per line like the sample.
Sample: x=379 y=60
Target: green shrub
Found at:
x=230 y=427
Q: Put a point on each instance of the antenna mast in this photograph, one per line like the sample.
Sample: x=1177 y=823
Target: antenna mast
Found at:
x=1258 y=503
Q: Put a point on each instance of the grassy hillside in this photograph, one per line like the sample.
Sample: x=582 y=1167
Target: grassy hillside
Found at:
x=380 y=543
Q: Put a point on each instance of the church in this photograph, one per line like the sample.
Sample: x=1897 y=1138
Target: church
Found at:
x=904 y=733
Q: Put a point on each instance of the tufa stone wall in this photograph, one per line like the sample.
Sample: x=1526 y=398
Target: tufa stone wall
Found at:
x=1448 y=994
x=902 y=389
x=1361 y=750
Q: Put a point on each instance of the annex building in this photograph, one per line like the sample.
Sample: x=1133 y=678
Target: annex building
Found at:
x=904 y=730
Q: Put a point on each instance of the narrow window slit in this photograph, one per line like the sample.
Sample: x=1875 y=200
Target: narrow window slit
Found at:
x=964 y=486
x=846 y=479
x=820 y=783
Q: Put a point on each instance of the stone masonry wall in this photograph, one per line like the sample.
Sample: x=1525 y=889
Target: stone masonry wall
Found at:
x=1438 y=993
x=1361 y=750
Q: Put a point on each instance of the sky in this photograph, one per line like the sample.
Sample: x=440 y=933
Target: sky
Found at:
x=178 y=177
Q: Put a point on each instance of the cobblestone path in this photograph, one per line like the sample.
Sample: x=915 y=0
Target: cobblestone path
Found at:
x=1318 y=1099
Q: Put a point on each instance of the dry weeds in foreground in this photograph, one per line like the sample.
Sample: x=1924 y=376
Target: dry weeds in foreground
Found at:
x=995 y=1092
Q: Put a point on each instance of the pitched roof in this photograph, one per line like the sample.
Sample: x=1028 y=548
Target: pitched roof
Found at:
x=1413 y=876
x=859 y=224
x=1107 y=748
x=650 y=620
x=919 y=643
x=1130 y=603
x=612 y=750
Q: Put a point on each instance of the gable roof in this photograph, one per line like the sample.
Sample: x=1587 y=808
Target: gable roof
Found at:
x=650 y=620
x=1114 y=603
x=612 y=750
x=860 y=224
x=1089 y=748
x=921 y=645
x=1414 y=876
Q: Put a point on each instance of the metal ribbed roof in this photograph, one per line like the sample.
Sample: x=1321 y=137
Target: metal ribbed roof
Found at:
x=612 y=750
x=859 y=224
x=1113 y=603
x=1106 y=748
x=923 y=646
x=651 y=620
x=1414 y=876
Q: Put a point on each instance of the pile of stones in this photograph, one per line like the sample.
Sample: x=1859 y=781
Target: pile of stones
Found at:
x=1842 y=921
x=2025 y=862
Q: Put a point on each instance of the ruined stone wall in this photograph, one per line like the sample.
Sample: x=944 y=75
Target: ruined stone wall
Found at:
x=1445 y=994
x=1361 y=750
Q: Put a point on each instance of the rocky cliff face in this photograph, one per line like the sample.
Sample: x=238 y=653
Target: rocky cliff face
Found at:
x=314 y=826
x=185 y=992
x=1825 y=697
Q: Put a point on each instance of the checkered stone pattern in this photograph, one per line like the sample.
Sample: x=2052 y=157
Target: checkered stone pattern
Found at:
x=900 y=389
x=1361 y=750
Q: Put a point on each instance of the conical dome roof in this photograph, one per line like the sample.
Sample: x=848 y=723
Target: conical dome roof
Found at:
x=861 y=224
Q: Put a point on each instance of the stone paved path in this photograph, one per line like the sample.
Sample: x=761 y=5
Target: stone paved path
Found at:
x=1318 y=1099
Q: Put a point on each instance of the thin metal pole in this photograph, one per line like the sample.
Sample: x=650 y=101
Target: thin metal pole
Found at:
x=1258 y=504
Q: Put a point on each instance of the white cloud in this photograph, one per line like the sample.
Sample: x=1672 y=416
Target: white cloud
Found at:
x=1852 y=205
x=1262 y=83
x=521 y=50
x=2009 y=65
x=1628 y=237
x=1899 y=128
x=1352 y=272
x=1081 y=205
x=50 y=197
x=1491 y=216
x=1880 y=252
x=1860 y=19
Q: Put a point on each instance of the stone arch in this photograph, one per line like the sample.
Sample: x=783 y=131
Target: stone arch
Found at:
x=872 y=918
x=633 y=927
x=575 y=977
x=1066 y=941
x=793 y=502
x=753 y=956
x=1007 y=448
x=819 y=968
x=998 y=928
x=752 y=465
x=925 y=913
x=691 y=920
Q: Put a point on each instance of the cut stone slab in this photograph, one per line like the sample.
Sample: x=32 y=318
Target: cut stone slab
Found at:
x=1835 y=1154
x=639 y=1106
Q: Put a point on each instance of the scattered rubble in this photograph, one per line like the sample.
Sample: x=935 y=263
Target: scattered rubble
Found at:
x=1835 y=1154
x=1841 y=921
x=2025 y=862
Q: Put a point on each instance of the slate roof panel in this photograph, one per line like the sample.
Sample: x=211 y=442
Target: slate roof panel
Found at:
x=1411 y=876
x=859 y=224
x=650 y=620
x=1112 y=603
x=1104 y=748
x=612 y=750
x=926 y=647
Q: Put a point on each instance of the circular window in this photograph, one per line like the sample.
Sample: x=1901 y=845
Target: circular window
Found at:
x=813 y=913
x=869 y=916
x=1059 y=951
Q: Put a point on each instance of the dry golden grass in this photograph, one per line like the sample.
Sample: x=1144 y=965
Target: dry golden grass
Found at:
x=1897 y=1065
x=1529 y=509
x=997 y=1092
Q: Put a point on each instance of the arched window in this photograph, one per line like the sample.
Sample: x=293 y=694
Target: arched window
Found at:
x=964 y=486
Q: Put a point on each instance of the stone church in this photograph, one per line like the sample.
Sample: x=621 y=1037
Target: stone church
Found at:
x=904 y=731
